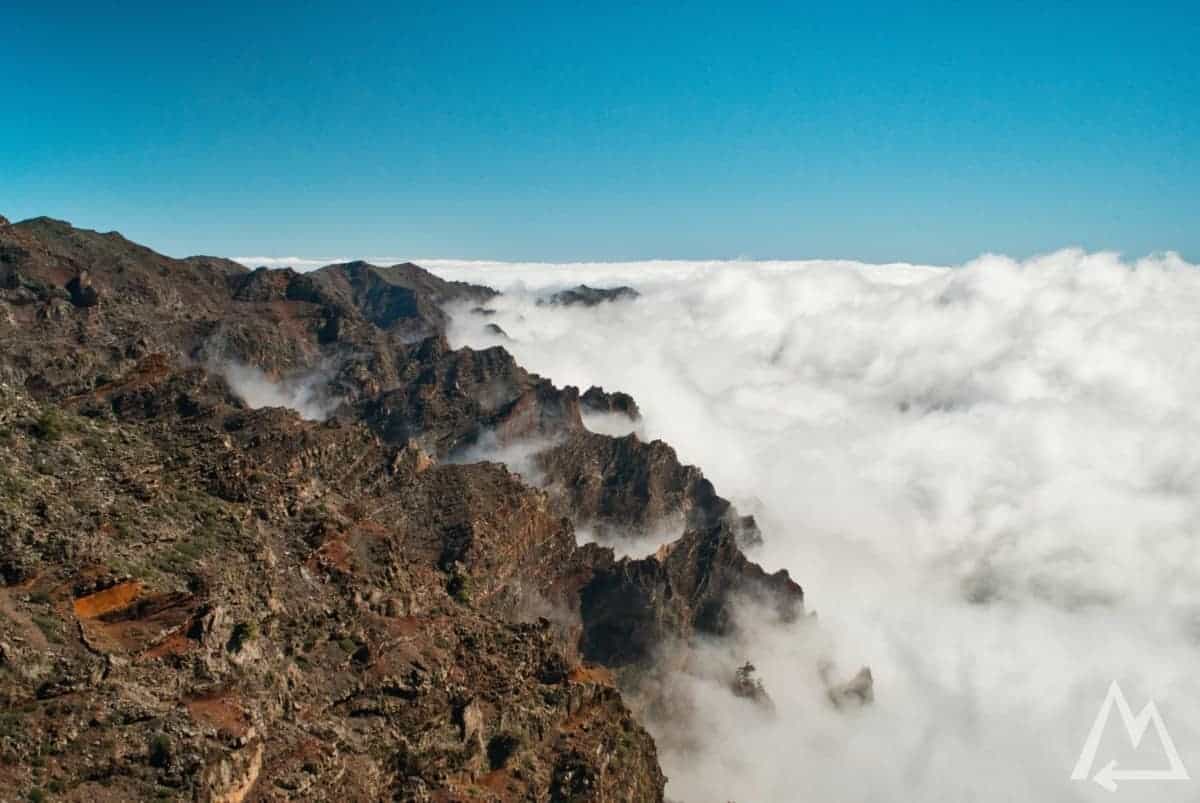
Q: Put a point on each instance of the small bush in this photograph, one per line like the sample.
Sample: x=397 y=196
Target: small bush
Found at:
x=501 y=747
x=243 y=634
x=459 y=587
x=159 y=750
x=49 y=425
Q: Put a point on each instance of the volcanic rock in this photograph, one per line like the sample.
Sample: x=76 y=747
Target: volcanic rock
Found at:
x=596 y=400
x=591 y=296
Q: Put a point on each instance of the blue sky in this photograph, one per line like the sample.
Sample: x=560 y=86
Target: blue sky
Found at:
x=607 y=131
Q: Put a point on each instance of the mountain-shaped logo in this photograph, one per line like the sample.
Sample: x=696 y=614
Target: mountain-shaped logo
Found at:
x=1136 y=727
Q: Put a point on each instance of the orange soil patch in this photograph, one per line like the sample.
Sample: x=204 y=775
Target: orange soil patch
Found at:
x=592 y=674
x=404 y=625
x=221 y=711
x=349 y=550
x=498 y=781
x=147 y=622
x=333 y=554
x=173 y=645
x=110 y=599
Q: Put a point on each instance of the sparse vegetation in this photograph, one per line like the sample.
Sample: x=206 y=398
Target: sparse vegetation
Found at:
x=460 y=588
x=12 y=485
x=51 y=627
x=243 y=634
x=50 y=425
x=10 y=724
x=159 y=750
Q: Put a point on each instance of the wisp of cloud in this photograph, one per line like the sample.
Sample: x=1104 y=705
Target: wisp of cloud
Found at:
x=304 y=393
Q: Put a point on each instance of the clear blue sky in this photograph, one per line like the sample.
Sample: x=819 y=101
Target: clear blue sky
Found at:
x=607 y=130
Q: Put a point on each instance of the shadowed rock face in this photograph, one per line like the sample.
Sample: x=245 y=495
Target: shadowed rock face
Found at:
x=404 y=297
x=631 y=607
x=624 y=487
x=591 y=296
x=597 y=401
x=207 y=601
x=448 y=400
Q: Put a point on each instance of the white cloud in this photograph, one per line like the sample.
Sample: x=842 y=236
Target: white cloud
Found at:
x=986 y=478
x=305 y=393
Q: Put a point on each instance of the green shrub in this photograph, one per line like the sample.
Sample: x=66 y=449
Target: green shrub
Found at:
x=243 y=634
x=49 y=425
x=459 y=587
x=159 y=750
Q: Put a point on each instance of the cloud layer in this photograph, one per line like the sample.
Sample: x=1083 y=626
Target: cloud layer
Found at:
x=985 y=477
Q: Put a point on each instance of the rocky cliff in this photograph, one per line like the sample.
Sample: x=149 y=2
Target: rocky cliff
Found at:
x=202 y=600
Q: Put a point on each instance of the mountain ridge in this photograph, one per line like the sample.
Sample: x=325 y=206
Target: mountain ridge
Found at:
x=252 y=587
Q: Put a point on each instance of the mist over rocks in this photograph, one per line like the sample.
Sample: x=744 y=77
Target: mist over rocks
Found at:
x=978 y=473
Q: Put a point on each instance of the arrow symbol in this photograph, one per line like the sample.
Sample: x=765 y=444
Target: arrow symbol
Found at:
x=1109 y=775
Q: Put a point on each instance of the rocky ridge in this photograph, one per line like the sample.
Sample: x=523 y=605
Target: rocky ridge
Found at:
x=206 y=601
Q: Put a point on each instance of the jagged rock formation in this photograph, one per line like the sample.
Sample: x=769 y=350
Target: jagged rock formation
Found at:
x=857 y=691
x=747 y=685
x=449 y=399
x=204 y=601
x=596 y=400
x=403 y=296
x=591 y=296
x=628 y=487
x=631 y=607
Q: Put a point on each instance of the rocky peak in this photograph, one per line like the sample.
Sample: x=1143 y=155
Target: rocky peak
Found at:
x=596 y=400
x=585 y=296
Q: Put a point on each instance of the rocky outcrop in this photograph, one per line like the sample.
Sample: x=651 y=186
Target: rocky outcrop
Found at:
x=402 y=297
x=585 y=296
x=595 y=400
x=631 y=608
x=623 y=487
x=450 y=399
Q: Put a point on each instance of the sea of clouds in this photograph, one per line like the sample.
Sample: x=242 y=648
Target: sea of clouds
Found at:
x=986 y=477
